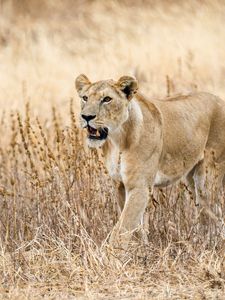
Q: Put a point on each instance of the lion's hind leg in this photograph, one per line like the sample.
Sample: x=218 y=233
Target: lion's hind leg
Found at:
x=196 y=179
x=205 y=181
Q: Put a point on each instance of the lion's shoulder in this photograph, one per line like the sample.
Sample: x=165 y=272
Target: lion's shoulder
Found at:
x=149 y=106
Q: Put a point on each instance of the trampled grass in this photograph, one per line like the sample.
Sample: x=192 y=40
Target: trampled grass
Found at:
x=57 y=202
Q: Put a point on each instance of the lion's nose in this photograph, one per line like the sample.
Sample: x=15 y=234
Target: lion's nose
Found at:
x=88 y=117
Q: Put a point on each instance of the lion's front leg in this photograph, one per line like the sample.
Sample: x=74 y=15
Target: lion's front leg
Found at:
x=138 y=174
x=121 y=196
x=131 y=216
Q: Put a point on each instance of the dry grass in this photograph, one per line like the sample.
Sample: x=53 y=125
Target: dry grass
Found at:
x=57 y=202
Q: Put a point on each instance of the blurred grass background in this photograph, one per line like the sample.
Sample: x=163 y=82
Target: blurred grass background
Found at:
x=44 y=45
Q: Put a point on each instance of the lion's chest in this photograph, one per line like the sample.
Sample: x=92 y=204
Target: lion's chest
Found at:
x=113 y=164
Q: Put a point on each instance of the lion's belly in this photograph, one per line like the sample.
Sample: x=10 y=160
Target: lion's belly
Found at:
x=162 y=180
x=173 y=168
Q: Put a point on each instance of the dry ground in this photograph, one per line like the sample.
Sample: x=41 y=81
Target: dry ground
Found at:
x=57 y=203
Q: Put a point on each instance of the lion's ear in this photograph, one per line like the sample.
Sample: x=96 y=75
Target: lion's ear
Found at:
x=81 y=81
x=128 y=85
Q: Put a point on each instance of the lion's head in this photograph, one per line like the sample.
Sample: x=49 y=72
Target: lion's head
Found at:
x=104 y=106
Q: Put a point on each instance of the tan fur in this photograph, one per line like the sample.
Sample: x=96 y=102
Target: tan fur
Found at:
x=153 y=142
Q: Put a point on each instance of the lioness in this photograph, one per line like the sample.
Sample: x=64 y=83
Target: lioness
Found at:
x=150 y=143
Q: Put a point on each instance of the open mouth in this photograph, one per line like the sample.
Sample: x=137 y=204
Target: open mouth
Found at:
x=97 y=134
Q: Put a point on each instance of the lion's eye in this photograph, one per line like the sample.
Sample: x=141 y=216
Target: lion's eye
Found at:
x=106 y=99
x=85 y=98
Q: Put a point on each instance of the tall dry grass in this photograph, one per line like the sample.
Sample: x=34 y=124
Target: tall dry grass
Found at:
x=57 y=202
